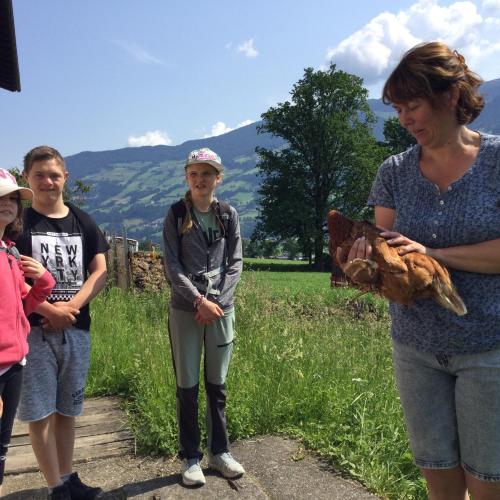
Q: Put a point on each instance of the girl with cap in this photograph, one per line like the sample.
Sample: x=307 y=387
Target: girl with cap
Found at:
x=203 y=264
x=17 y=300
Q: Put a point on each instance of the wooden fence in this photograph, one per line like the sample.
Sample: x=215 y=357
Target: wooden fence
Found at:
x=129 y=268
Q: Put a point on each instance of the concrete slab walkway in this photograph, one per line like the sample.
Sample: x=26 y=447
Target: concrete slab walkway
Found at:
x=277 y=468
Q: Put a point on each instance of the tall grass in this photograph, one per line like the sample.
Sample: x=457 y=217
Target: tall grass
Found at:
x=309 y=362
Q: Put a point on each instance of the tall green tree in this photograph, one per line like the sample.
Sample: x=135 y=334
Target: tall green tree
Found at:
x=328 y=161
x=77 y=193
x=19 y=176
x=397 y=138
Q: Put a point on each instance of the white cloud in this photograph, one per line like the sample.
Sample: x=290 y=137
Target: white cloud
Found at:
x=375 y=49
x=140 y=54
x=151 y=138
x=220 y=128
x=244 y=123
x=248 y=49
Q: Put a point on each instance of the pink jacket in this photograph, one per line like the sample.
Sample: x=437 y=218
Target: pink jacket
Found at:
x=17 y=301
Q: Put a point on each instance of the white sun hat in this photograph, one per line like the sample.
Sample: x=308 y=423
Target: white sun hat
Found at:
x=8 y=184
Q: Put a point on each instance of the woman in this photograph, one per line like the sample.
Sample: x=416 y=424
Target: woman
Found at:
x=203 y=263
x=442 y=198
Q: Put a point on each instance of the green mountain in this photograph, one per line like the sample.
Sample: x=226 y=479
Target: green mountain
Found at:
x=133 y=187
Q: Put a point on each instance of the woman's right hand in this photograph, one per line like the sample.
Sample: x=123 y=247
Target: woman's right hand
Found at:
x=361 y=249
x=208 y=312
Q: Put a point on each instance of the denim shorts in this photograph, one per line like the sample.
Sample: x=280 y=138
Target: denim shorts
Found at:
x=55 y=374
x=452 y=409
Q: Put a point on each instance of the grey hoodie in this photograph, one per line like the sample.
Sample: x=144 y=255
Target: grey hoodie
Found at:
x=190 y=254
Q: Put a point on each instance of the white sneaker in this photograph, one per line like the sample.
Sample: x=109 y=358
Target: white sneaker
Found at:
x=191 y=472
x=226 y=465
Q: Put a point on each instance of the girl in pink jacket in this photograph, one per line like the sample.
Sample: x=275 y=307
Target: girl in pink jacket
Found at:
x=17 y=300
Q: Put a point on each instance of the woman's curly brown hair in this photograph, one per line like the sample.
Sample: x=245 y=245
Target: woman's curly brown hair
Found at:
x=430 y=69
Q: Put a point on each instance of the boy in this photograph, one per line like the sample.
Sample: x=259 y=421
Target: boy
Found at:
x=67 y=241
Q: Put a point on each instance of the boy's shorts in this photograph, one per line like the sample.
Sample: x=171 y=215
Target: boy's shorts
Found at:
x=55 y=374
x=452 y=409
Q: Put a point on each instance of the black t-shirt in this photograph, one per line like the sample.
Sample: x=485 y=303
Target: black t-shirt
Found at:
x=65 y=246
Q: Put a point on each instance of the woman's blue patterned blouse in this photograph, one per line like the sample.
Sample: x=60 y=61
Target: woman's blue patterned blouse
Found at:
x=468 y=212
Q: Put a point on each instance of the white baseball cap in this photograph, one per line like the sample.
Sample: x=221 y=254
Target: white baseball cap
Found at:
x=205 y=155
x=8 y=184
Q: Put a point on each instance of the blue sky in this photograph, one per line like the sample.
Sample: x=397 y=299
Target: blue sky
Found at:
x=107 y=74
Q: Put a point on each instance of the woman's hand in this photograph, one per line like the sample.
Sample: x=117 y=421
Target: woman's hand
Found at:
x=31 y=267
x=404 y=244
x=361 y=249
x=208 y=312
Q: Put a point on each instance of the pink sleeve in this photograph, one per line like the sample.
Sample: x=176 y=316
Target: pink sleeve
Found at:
x=38 y=293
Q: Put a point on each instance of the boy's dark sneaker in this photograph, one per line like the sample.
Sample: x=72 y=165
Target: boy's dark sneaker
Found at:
x=60 y=493
x=79 y=490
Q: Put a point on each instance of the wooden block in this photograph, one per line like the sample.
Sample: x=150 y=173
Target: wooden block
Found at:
x=101 y=432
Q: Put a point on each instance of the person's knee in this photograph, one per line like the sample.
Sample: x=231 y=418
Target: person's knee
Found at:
x=37 y=427
x=67 y=419
x=482 y=490
x=188 y=395
x=445 y=484
x=216 y=392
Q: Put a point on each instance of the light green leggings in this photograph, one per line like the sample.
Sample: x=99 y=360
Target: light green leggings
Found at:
x=187 y=339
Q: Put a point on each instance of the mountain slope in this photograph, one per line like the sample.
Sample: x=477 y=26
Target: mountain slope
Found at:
x=489 y=119
x=133 y=187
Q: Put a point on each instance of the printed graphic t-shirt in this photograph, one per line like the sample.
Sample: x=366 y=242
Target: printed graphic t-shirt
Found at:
x=65 y=246
x=208 y=224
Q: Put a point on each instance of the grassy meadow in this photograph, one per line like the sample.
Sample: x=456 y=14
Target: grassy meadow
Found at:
x=309 y=362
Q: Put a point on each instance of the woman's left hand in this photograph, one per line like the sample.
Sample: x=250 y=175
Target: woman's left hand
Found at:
x=404 y=244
